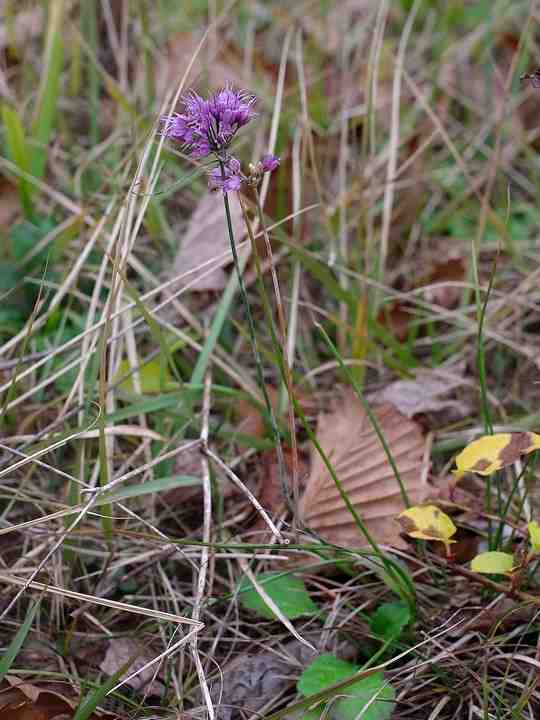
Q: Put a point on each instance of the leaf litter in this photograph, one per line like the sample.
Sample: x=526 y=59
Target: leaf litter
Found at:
x=428 y=392
x=23 y=700
x=205 y=240
x=123 y=649
x=361 y=464
x=329 y=34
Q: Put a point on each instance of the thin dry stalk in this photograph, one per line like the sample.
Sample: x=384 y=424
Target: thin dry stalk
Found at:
x=247 y=492
x=207 y=522
x=394 y=139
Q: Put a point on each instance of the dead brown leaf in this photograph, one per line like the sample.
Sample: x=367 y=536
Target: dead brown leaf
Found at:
x=428 y=392
x=463 y=549
x=444 y=276
x=250 y=417
x=29 y=690
x=396 y=318
x=360 y=462
x=119 y=652
x=271 y=491
x=206 y=238
x=21 y=700
x=9 y=204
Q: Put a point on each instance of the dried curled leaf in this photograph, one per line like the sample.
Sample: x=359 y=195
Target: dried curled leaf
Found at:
x=534 y=535
x=122 y=650
x=361 y=464
x=494 y=562
x=204 y=246
x=428 y=392
x=493 y=452
x=427 y=522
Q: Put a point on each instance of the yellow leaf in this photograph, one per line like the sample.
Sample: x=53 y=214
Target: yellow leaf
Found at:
x=534 y=535
x=427 y=522
x=151 y=378
x=493 y=452
x=495 y=562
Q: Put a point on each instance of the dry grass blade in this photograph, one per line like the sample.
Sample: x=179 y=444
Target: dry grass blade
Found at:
x=83 y=597
x=362 y=466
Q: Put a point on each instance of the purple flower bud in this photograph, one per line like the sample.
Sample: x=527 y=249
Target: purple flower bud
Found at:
x=269 y=163
x=228 y=179
x=234 y=165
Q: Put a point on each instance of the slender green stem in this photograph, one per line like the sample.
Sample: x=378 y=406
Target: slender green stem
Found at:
x=404 y=587
x=283 y=367
x=369 y=413
x=253 y=337
x=504 y=511
x=481 y=355
x=281 y=347
x=481 y=365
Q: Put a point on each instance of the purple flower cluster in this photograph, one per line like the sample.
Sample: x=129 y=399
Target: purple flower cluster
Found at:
x=207 y=127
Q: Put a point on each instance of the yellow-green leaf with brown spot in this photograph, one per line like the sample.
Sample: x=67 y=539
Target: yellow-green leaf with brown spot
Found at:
x=427 y=522
x=493 y=452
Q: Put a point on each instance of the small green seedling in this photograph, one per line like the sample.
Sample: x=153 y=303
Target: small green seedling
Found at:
x=287 y=591
x=371 y=696
x=390 y=620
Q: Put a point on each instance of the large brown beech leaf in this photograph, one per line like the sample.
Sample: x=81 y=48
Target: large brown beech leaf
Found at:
x=361 y=464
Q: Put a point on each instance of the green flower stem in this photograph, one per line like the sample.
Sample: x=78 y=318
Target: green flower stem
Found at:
x=279 y=347
x=253 y=338
x=481 y=365
x=369 y=413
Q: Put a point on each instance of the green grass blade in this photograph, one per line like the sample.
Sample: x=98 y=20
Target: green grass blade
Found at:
x=16 y=644
x=481 y=353
x=88 y=705
x=371 y=416
x=47 y=104
x=401 y=583
x=18 y=151
x=149 y=487
x=222 y=313
x=89 y=22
